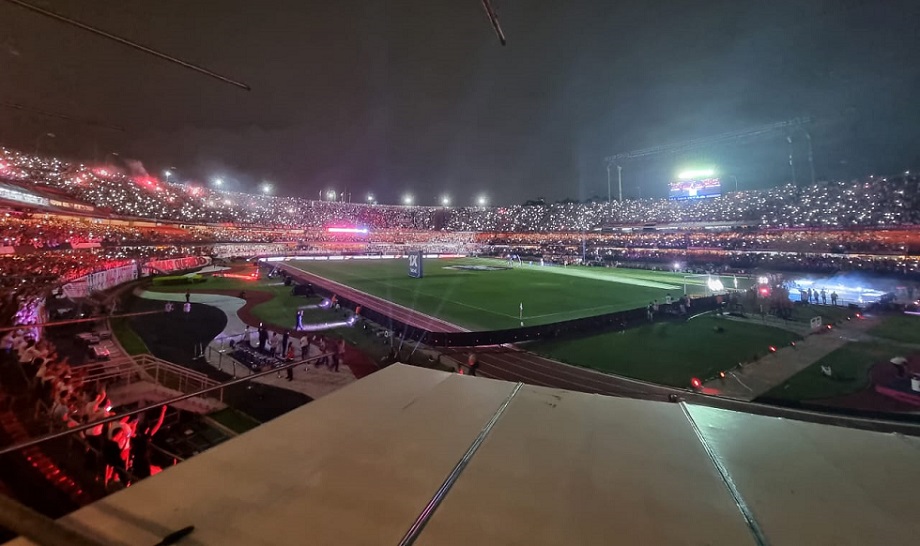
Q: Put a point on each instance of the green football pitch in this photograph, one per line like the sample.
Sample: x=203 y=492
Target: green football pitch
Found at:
x=487 y=294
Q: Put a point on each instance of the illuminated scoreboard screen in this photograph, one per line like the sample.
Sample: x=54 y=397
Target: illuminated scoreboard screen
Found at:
x=698 y=188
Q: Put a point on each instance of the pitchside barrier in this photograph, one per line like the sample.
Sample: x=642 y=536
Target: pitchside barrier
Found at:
x=599 y=323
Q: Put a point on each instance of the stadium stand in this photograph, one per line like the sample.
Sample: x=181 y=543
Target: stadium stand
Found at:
x=85 y=218
x=872 y=203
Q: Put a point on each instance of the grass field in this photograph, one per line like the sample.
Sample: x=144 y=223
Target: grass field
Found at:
x=828 y=313
x=670 y=353
x=491 y=299
x=903 y=328
x=667 y=352
x=850 y=363
x=281 y=308
x=128 y=338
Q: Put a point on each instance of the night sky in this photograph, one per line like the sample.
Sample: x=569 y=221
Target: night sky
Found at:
x=418 y=96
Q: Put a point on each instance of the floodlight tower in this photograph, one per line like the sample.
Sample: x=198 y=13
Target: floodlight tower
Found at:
x=687 y=145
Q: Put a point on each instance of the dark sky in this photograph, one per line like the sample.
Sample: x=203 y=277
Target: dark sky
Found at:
x=418 y=96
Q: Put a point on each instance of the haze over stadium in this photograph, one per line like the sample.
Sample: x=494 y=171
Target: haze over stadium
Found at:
x=353 y=109
x=549 y=258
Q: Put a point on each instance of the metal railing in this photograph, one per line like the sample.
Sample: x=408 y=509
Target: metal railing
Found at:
x=221 y=347
x=127 y=370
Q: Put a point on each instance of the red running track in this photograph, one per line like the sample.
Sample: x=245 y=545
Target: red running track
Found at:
x=367 y=301
x=515 y=365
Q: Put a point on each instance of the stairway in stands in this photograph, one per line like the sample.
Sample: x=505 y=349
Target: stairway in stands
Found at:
x=14 y=428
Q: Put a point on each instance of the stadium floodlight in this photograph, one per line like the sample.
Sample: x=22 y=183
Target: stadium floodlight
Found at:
x=700 y=173
x=167 y=174
x=482 y=200
x=407 y=200
x=266 y=187
x=331 y=194
x=370 y=198
x=445 y=201
x=218 y=182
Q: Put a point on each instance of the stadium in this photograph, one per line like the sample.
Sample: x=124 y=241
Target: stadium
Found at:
x=194 y=359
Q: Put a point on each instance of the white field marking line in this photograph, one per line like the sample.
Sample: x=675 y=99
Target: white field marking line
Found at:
x=384 y=300
x=567 y=312
x=643 y=278
x=423 y=293
x=607 y=278
x=416 y=292
x=738 y=379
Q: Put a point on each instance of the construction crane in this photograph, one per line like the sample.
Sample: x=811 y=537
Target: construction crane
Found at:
x=789 y=126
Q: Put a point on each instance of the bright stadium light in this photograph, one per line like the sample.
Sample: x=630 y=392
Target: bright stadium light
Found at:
x=331 y=194
x=445 y=201
x=370 y=198
x=690 y=175
x=266 y=188
x=482 y=200
x=407 y=200
x=218 y=182
x=167 y=174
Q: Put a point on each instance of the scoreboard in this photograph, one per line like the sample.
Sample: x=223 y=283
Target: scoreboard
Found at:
x=696 y=188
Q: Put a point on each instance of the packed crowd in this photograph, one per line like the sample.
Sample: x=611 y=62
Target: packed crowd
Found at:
x=38 y=271
x=873 y=216
x=710 y=260
x=63 y=399
x=49 y=232
x=873 y=202
x=805 y=241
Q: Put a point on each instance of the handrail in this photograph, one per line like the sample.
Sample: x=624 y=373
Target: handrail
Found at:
x=147 y=357
x=93 y=424
x=146 y=367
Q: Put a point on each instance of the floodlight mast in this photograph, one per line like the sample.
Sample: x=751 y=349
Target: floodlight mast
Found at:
x=692 y=144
